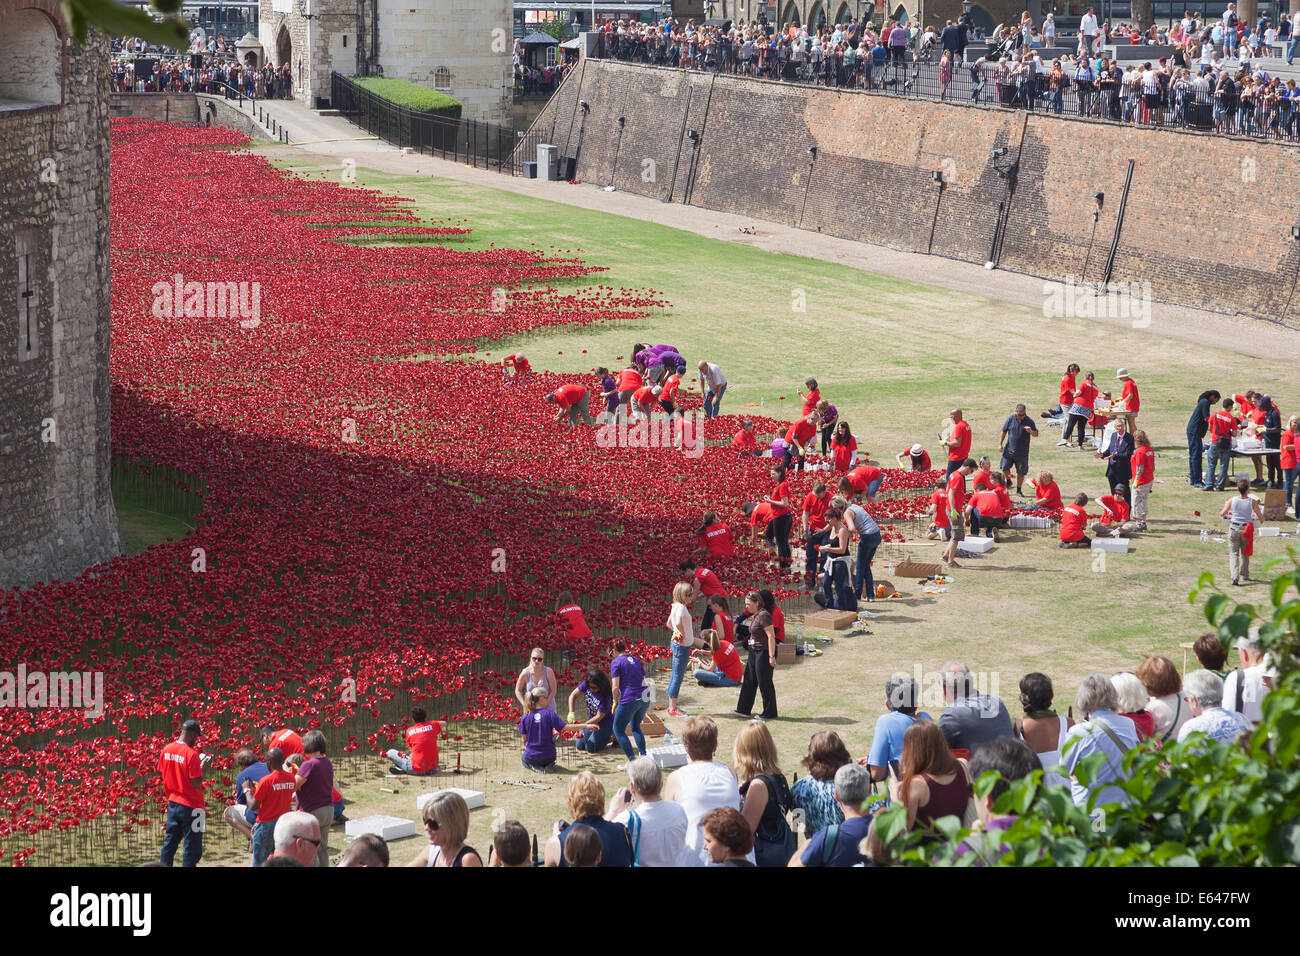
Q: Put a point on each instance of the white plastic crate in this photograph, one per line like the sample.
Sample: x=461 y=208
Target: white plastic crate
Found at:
x=1112 y=545
x=669 y=755
x=1269 y=531
x=473 y=798
x=386 y=827
x=1029 y=521
x=973 y=545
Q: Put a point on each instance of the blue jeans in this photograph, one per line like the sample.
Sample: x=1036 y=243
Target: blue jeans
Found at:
x=263 y=841
x=1293 y=48
x=835 y=588
x=1289 y=483
x=712 y=400
x=864 y=585
x=714 y=679
x=681 y=657
x=403 y=763
x=1218 y=459
x=183 y=824
x=630 y=714
x=594 y=740
x=953 y=466
x=1195 y=456
x=874 y=486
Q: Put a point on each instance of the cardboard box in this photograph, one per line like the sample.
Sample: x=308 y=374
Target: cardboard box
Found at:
x=915 y=569
x=1275 y=513
x=386 y=827
x=830 y=620
x=473 y=798
x=652 y=725
x=973 y=545
x=785 y=653
x=1111 y=545
x=1274 y=497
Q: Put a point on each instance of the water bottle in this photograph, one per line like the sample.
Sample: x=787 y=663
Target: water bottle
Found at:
x=890 y=569
x=668 y=738
x=1205 y=536
x=652 y=692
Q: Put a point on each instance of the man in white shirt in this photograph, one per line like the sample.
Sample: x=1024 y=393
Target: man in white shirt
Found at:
x=1244 y=690
x=712 y=380
x=1088 y=30
x=656 y=826
x=1229 y=29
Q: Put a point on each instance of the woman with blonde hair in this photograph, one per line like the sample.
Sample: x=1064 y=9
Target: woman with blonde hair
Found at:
x=536 y=675
x=682 y=642
x=586 y=804
x=446 y=823
x=765 y=795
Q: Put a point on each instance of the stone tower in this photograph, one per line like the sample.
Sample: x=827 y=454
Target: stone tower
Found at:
x=56 y=502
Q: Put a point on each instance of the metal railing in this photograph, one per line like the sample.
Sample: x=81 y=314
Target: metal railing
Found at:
x=486 y=145
x=1178 y=107
x=269 y=122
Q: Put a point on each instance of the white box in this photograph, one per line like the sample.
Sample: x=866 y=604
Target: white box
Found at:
x=669 y=756
x=473 y=798
x=1113 y=545
x=1029 y=521
x=1268 y=531
x=386 y=827
x=975 y=545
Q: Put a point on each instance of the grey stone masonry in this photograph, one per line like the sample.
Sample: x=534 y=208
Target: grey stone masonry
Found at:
x=56 y=504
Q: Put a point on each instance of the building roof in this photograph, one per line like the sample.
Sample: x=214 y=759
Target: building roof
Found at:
x=539 y=38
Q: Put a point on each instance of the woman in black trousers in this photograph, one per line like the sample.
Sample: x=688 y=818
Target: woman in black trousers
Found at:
x=762 y=655
x=778 y=529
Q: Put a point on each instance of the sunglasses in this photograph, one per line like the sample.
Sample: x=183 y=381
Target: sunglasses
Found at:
x=431 y=824
x=309 y=840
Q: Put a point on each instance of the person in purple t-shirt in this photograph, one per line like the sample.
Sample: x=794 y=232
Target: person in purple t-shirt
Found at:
x=539 y=725
x=314 y=783
x=632 y=696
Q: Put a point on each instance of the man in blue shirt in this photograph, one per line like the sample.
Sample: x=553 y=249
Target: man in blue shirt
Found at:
x=901 y=697
x=837 y=844
x=238 y=815
x=1017 y=431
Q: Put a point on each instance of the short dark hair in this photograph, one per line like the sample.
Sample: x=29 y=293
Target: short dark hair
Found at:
x=369 y=849
x=970 y=463
x=313 y=742
x=1036 y=691
x=582 y=845
x=245 y=757
x=418 y=715
x=729 y=828
x=1210 y=652
x=511 y=843
x=826 y=754
x=1012 y=760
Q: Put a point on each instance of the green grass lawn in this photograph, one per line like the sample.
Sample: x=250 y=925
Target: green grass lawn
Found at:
x=894 y=356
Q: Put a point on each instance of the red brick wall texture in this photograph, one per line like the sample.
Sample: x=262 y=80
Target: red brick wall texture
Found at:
x=1207 y=221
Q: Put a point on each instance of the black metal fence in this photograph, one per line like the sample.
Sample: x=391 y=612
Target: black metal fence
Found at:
x=487 y=145
x=1180 y=106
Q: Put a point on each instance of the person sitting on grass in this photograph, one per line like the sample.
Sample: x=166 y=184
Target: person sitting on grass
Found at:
x=539 y=725
x=239 y=814
x=728 y=837
x=1114 y=521
x=1047 y=494
x=837 y=844
x=599 y=692
x=723 y=668
x=572 y=400
x=422 y=738
x=1073 y=520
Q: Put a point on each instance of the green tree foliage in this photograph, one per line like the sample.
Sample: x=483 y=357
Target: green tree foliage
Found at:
x=1198 y=803
x=118 y=20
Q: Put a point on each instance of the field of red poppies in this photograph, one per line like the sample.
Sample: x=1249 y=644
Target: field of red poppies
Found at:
x=343 y=563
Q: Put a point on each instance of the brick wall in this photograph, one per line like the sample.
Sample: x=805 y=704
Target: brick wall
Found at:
x=1207 y=222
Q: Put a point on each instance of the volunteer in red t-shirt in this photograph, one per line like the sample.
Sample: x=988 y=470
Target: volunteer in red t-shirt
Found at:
x=629 y=380
x=812 y=527
x=1287 y=461
x=422 y=738
x=704 y=583
x=744 y=439
x=1144 y=473
x=725 y=669
x=714 y=537
x=1129 y=397
x=572 y=400
x=272 y=798
x=1114 y=521
x=520 y=364
x=939 y=508
x=1047 y=494
x=914 y=458
x=797 y=437
x=723 y=622
x=1073 y=521
x=778 y=529
x=864 y=478
x=643 y=400
x=844 y=447
x=983 y=479
x=288 y=741
x=958 y=441
x=1222 y=427
x=668 y=397
x=569 y=619
x=1065 y=393
x=181 y=768
x=1085 y=399
x=985 y=512
x=956 y=495
x=813 y=396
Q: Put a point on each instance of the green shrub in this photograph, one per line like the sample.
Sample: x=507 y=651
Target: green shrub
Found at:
x=1198 y=803
x=411 y=96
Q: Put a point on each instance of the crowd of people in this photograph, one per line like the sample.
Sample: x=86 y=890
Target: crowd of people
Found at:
x=208 y=67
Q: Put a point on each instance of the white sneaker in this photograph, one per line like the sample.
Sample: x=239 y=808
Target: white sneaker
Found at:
x=1062 y=442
